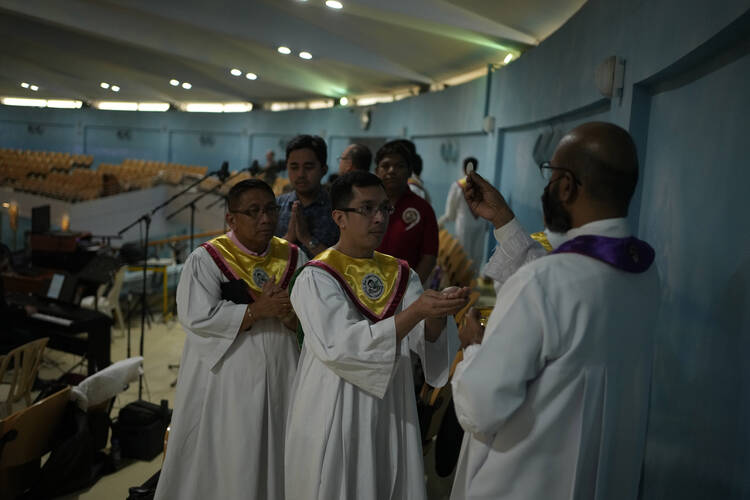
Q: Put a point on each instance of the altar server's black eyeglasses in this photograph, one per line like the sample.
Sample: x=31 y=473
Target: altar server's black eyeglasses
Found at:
x=369 y=210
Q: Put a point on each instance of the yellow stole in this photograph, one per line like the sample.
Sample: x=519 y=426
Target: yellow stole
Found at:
x=541 y=237
x=375 y=286
x=278 y=262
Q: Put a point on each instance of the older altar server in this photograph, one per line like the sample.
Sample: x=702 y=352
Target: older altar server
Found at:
x=353 y=430
x=239 y=360
x=554 y=395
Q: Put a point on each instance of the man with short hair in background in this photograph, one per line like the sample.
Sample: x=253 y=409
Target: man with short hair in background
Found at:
x=412 y=230
x=355 y=157
x=305 y=216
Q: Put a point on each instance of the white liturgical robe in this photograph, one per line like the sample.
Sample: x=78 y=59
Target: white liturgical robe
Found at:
x=554 y=400
x=227 y=432
x=353 y=431
x=469 y=230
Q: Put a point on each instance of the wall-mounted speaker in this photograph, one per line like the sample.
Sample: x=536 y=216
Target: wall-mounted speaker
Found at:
x=609 y=76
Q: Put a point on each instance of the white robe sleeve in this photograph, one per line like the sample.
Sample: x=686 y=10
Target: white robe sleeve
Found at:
x=360 y=352
x=514 y=249
x=451 y=204
x=436 y=356
x=201 y=310
x=490 y=383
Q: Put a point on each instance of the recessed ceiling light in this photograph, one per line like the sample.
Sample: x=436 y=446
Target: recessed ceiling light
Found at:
x=344 y=101
x=187 y=86
x=284 y=50
x=508 y=59
x=33 y=87
x=64 y=104
x=305 y=55
x=174 y=82
x=25 y=85
x=153 y=106
x=117 y=106
x=20 y=101
x=104 y=85
x=334 y=4
x=235 y=72
x=115 y=88
x=251 y=76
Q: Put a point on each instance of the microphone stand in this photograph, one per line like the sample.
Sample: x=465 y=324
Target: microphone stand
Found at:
x=146 y=218
x=191 y=204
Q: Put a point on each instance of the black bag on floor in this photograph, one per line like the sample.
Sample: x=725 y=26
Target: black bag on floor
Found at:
x=139 y=429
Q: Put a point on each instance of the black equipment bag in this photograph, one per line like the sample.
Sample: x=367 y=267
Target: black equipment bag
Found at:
x=139 y=429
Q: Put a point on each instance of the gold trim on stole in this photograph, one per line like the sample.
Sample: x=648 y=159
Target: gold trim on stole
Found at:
x=376 y=284
x=256 y=269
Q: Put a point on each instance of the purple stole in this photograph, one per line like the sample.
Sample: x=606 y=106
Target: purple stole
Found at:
x=627 y=254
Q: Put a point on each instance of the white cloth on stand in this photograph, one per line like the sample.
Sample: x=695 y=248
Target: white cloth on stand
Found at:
x=554 y=400
x=353 y=430
x=227 y=432
x=107 y=383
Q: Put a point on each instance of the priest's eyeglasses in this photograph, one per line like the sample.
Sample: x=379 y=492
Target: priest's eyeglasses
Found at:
x=546 y=170
x=254 y=211
x=369 y=210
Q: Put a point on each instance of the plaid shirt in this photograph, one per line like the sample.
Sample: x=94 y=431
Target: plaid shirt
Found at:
x=318 y=217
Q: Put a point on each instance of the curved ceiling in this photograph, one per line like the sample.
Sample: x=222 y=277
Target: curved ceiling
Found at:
x=369 y=46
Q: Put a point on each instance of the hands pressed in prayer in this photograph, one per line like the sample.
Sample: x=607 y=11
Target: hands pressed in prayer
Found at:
x=485 y=201
x=300 y=223
x=291 y=231
x=273 y=302
x=472 y=331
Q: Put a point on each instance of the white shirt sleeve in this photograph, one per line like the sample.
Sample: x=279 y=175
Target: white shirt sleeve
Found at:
x=358 y=351
x=202 y=311
x=514 y=249
x=490 y=383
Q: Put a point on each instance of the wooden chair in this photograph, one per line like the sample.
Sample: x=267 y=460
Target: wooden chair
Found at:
x=25 y=437
x=25 y=366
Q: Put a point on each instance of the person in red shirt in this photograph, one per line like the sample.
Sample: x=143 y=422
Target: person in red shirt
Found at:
x=412 y=232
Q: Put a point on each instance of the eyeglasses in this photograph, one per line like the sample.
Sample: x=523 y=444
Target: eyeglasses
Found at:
x=254 y=212
x=343 y=158
x=369 y=210
x=546 y=170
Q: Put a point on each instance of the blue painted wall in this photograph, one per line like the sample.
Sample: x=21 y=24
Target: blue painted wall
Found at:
x=686 y=102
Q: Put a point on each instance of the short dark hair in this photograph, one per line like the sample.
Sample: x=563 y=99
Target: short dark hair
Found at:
x=471 y=159
x=233 y=198
x=361 y=157
x=341 y=190
x=397 y=147
x=409 y=145
x=417 y=165
x=313 y=142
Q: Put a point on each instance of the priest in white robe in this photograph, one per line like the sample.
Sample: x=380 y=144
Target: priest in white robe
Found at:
x=469 y=229
x=553 y=394
x=240 y=356
x=353 y=430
